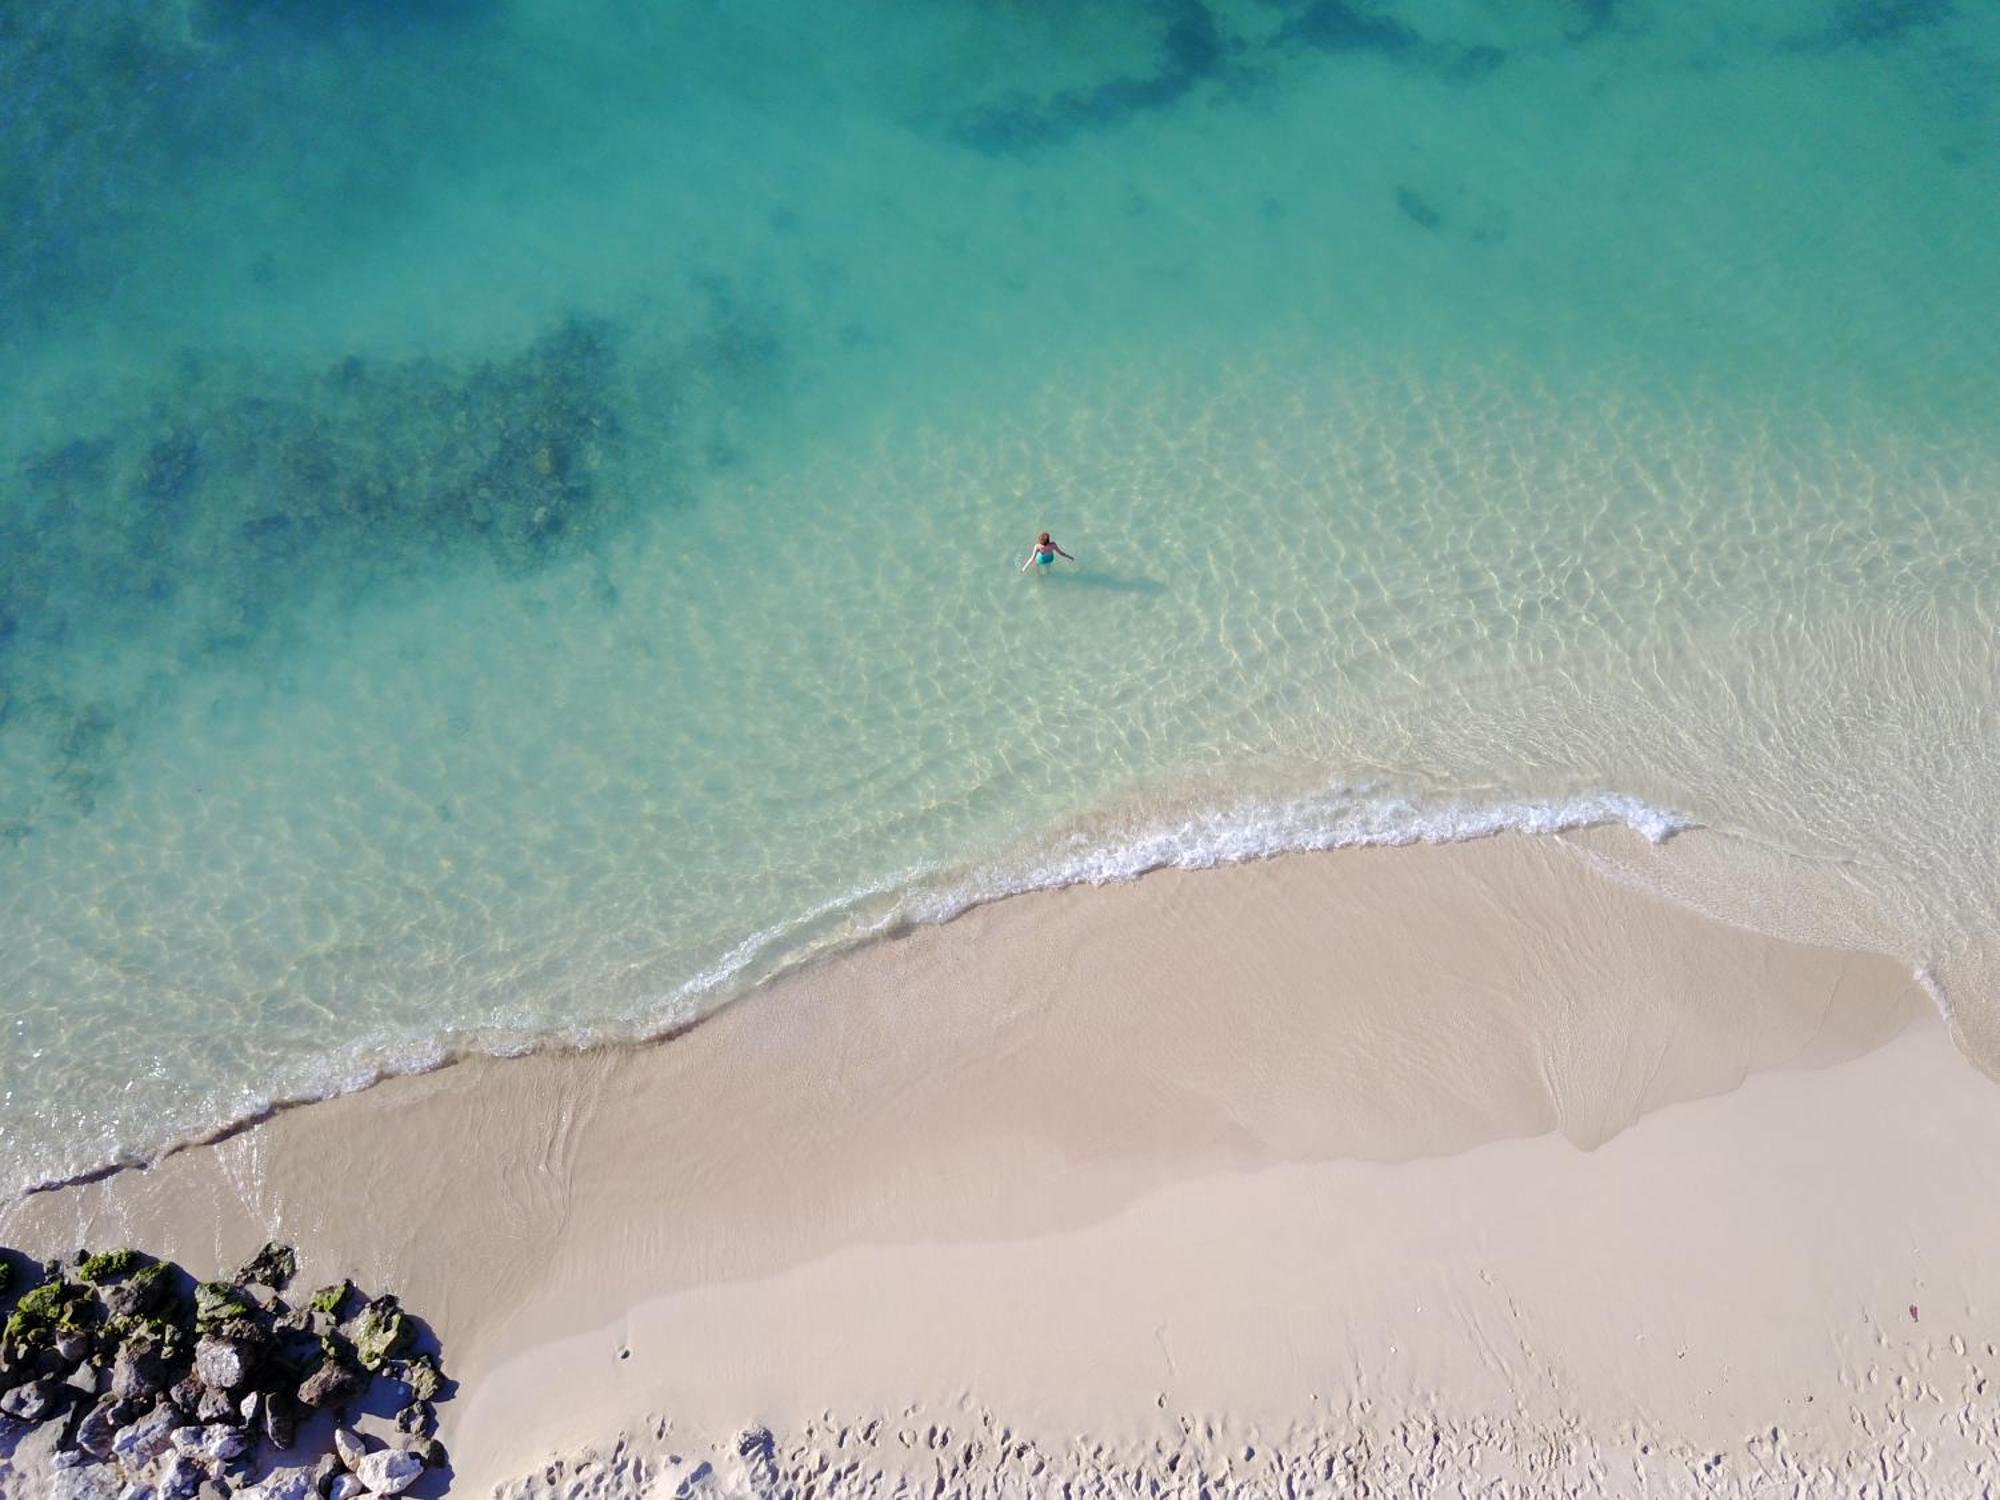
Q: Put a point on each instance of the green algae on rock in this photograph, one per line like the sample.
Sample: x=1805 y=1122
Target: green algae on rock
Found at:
x=380 y=1332
x=216 y=1303
x=109 y=1265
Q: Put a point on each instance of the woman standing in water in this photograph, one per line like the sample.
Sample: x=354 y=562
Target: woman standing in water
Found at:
x=1045 y=554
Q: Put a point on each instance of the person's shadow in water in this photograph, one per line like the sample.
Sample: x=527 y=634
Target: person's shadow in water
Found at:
x=1108 y=583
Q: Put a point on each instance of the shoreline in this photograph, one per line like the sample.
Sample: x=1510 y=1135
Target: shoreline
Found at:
x=1233 y=835
x=1050 y=1070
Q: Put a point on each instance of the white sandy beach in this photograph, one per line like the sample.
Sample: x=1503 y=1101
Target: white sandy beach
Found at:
x=1443 y=1169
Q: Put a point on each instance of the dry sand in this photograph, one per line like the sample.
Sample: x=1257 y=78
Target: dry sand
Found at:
x=1265 y=1180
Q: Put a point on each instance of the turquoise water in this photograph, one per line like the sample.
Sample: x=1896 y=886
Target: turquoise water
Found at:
x=512 y=509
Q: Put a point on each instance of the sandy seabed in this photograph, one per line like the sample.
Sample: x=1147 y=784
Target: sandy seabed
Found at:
x=1434 y=1170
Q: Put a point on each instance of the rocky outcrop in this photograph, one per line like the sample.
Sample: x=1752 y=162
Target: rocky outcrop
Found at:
x=175 y=1389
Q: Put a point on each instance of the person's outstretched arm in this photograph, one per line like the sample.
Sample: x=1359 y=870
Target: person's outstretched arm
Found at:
x=1061 y=553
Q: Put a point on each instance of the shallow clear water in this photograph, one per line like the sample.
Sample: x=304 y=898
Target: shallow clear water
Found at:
x=512 y=509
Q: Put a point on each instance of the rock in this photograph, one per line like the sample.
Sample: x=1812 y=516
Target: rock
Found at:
x=87 y=1482
x=141 y=1367
x=73 y=1346
x=281 y=1421
x=186 y=1394
x=423 y=1377
x=216 y=1302
x=249 y=1407
x=429 y=1451
x=281 y=1484
x=138 y=1294
x=295 y=1351
x=389 y=1471
x=36 y=1401
x=223 y=1364
x=216 y=1443
x=347 y=1443
x=379 y=1333
x=181 y=1477
x=147 y=1438
x=345 y=1487
x=100 y=1425
x=254 y=1337
x=274 y=1266
x=332 y=1300
x=95 y=1270
x=52 y=1308
x=55 y=1306
x=324 y=1470
x=419 y=1417
x=214 y=1406
x=331 y=1384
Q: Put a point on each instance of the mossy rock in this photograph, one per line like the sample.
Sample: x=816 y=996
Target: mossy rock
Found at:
x=274 y=1266
x=331 y=1299
x=216 y=1303
x=138 y=1293
x=6 y=1276
x=95 y=1270
x=423 y=1377
x=380 y=1333
x=157 y=1332
x=58 y=1305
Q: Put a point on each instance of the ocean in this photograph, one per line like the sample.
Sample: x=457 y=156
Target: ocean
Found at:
x=511 y=511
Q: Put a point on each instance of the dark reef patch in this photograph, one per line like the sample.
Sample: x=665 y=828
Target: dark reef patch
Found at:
x=242 y=493
x=327 y=17
x=94 y=98
x=1193 y=47
x=1344 y=27
x=1874 y=23
x=383 y=464
x=1457 y=214
x=1338 y=26
x=1595 y=17
x=115 y=118
x=1417 y=209
x=1474 y=63
x=1870 y=23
